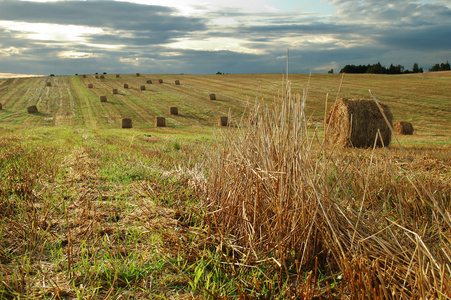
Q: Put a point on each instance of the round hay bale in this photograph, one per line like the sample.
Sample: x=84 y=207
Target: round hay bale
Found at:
x=127 y=123
x=143 y=88
x=102 y=77
x=160 y=80
x=212 y=97
x=115 y=91
x=125 y=86
x=403 y=127
x=49 y=84
x=223 y=121
x=160 y=122
x=104 y=73
x=149 y=81
x=102 y=98
x=177 y=82
x=117 y=76
x=355 y=123
x=32 y=109
x=173 y=111
x=90 y=85
x=137 y=74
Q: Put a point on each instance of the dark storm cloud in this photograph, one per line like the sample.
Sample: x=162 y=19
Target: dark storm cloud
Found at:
x=104 y=14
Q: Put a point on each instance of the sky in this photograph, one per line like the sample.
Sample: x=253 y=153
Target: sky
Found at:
x=65 y=37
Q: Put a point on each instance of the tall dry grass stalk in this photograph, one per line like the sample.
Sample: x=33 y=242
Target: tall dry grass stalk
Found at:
x=276 y=195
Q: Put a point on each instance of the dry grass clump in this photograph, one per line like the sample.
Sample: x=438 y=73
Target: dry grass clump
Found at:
x=355 y=123
x=173 y=111
x=126 y=123
x=277 y=197
x=212 y=97
x=32 y=109
x=160 y=122
x=103 y=99
x=223 y=121
x=403 y=127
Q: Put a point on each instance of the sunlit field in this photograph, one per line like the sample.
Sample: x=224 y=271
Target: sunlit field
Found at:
x=259 y=209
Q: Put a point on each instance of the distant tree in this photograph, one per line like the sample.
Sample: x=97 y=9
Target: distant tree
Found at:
x=331 y=71
x=415 y=68
x=218 y=73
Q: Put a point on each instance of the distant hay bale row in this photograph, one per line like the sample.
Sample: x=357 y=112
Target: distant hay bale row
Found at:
x=403 y=127
x=355 y=123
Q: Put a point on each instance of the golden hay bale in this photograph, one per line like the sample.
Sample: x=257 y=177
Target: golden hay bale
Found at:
x=223 y=121
x=355 y=123
x=102 y=77
x=137 y=74
x=160 y=80
x=117 y=76
x=102 y=98
x=126 y=123
x=149 y=81
x=160 y=122
x=125 y=86
x=32 y=109
x=143 y=88
x=177 y=82
x=97 y=76
x=403 y=127
x=212 y=97
x=115 y=91
x=173 y=111
x=90 y=85
x=49 y=84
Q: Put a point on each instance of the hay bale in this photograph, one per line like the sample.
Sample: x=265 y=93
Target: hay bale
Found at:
x=104 y=73
x=160 y=122
x=125 y=86
x=212 y=97
x=76 y=74
x=117 y=76
x=137 y=74
x=102 y=98
x=97 y=76
x=84 y=76
x=177 y=82
x=52 y=75
x=102 y=77
x=126 y=123
x=160 y=80
x=143 y=88
x=90 y=85
x=173 y=111
x=223 y=121
x=32 y=109
x=149 y=81
x=355 y=123
x=115 y=91
x=403 y=127
x=49 y=84
x=1 y=107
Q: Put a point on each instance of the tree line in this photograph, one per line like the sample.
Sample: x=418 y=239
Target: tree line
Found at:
x=393 y=69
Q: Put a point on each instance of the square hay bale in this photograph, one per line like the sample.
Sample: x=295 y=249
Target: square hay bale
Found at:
x=173 y=111
x=223 y=121
x=90 y=85
x=102 y=98
x=137 y=74
x=102 y=77
x=32 y=109
x=149 y=81
x=117 y=76
x=127 y=123
x=125 y=86
x=355 y=123
x=1 y=107
x=177 y=82
x=212 y=97
x=84 y=76
x=143 y=88
x=403 y=127
x=160 y=122
x=160 y=80
x=49 y=84
x=115 y=91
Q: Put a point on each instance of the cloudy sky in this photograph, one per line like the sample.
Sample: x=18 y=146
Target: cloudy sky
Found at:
x=230 y=36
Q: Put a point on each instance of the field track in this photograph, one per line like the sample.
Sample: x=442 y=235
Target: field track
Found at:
x=422 y=99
